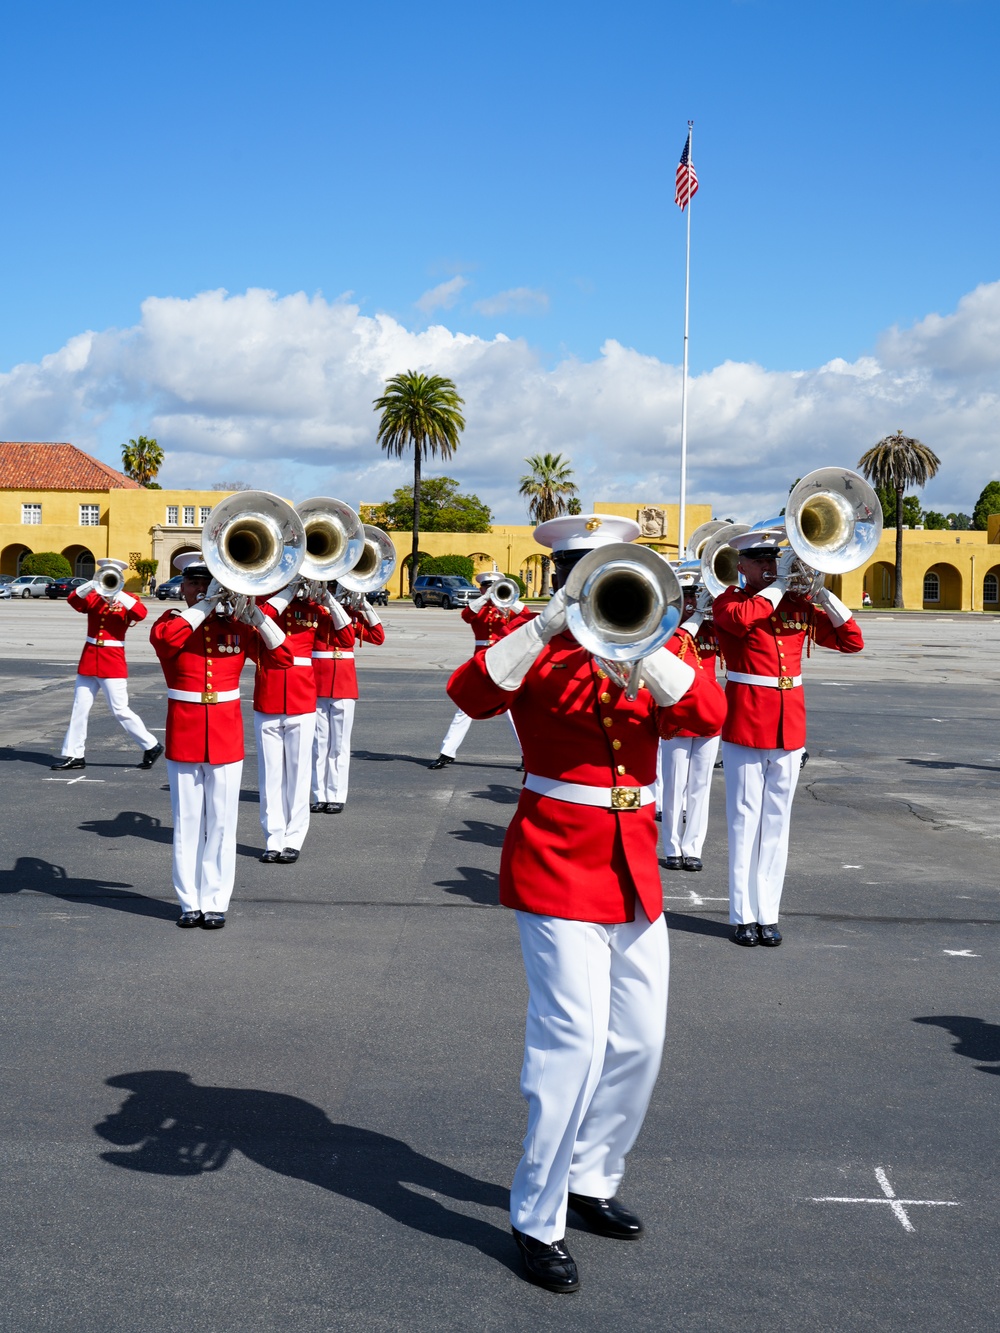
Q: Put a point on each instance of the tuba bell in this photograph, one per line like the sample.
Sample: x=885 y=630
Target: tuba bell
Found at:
x=335 y=538
x=719 y=562
x=108 y=581
x=503 y=594
x=253 y=543
x=701 y=535
x=833 y=520
x=373 y=569
x=623 y=602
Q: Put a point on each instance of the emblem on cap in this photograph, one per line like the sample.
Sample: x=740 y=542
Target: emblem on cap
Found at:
x=593 y=525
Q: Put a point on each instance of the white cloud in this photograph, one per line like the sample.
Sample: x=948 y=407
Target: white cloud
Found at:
x=443 y=296
x=278 y=391
x=518 y=301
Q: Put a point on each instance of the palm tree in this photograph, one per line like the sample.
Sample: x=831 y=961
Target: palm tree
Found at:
x=419 y=412
x=142 y=460
x=549 y=489
x=897 y=462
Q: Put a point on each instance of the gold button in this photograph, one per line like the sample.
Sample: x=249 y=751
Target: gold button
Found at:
x=603 y=675
x=621 y=769
x=605 y=698
x=780 y=641
x=616 y=745
x=608 y=722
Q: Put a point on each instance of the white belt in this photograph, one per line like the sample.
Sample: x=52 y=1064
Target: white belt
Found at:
x=486 y=643
x=337 y=654
x=106 y=643
x=302 y=661
x=323 y=655
x=203 y=696
x=577 y=793
x=773 y=682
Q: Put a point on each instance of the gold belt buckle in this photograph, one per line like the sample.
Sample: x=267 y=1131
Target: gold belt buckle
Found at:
x=338 y=656
x=209 y=697
x=625 y=798
x=784 y=682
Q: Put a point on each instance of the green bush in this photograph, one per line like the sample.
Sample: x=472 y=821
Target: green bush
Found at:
x=522 y=586
x=47 y=562
x=145 y=569
x=448 y=564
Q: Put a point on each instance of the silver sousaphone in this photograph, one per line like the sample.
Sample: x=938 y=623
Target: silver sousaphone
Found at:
x=719 y=561
x=253 y=543
x=335 y=539
x=373 y=570
x=623 y=602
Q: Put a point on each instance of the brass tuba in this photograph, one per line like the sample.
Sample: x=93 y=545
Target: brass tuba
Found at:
x=623 y=602
x=719 y=561
x=374 y=568
x=253 y=543
x=335 y=538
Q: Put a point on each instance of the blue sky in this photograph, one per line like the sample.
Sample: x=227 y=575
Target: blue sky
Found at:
x=518 y=159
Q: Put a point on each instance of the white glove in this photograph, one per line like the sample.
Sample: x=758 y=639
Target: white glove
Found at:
x=786 y=563
x=693 y=623
x=84 y=588
x=369 y=613
x=834 y=607
x=516 y=607
x=478 y=603
x=341 y=618
x=704 y=600
x=510 y=660
x=197 y=615
x=270 y=632
x=123 y=599
x=552 y=621
x=281 y=599
x=666 y=677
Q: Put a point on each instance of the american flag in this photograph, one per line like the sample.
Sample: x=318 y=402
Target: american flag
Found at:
x=686 y=181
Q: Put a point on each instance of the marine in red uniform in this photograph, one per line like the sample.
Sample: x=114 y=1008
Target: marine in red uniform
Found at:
x=579 y=868
x=489 y=623
x=762 y=630
x=103 y=668
x=202 y=655
x=337 y=640
x=687 y=759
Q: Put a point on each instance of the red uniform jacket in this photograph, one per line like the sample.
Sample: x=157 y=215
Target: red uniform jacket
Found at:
x=105 y=621
x=209 y=658
x=759 y=640
x=291 y=686
x=336 y=677
x=490 y=623
x=699 y=652
x=576 y=861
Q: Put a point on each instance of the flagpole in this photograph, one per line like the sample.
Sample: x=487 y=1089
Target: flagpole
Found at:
x=681 y=534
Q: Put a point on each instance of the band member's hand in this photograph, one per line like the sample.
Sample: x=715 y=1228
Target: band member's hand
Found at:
x=552 y=621
x=703 y=601
x=84 y=588
x=478 y=603
x=839 y=614
x=341 y=618
x=786 y=564
x=369 y=613
x=666 y=677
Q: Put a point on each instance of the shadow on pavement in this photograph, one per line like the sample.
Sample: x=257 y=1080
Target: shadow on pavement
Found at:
x=39 y=876
x=697 y=925
x=8 y=755
x=178 y=1128
x=477 y=830
x=499 y=795
x=136 y=824
x=375 y=757
x=479 y=886
x=974 y=1038
x=949 y=763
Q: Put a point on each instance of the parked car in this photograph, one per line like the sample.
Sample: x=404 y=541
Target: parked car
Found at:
x=447 y=590
x=172 y=588
x=5 y=579
x=30 y=585
x=62 y=587
x=4 y=592
x=379 y=598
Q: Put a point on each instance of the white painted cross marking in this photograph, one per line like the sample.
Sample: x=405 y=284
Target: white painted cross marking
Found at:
x=898 y=1206
x=961 y=953
x=692 y=899
x=852 y=867
x=70 y=781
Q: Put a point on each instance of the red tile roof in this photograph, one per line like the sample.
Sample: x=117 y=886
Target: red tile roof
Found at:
x=56 y=467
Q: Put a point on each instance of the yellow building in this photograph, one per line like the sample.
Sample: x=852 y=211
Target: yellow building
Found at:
x=942 y=571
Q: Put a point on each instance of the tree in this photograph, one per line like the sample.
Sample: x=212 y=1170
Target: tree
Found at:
x=47 y=562
x=960 y=522
x=935 y=522
x=913 y=515
x=142 y=460
x=419 y=412
x=547 y=487
x=898 y=461
x=448 y=564
x=574 y=506
x=442 y=508
x=146 y=569
x=988 y=503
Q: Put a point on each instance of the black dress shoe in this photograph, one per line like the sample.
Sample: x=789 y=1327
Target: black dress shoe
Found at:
x=691 y=863
x=213 y=920
x=334 y=807
x=442 y=761
x=288 y=855
x=149 y=757
x=269 y=858
x=771 y=936
x=188 y=919
x=69 y=762
x=746 y=934
x=673 y=862
x=318 y=808
x=606 y=1217
x=804 y=760
x=550 y=1266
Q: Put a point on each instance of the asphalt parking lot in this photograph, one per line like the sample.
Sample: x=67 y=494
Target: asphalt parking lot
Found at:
x=308 y=1121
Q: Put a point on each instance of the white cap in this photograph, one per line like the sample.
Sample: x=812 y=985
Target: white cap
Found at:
x=772 y=537
x=189 y=558
x=487 y=577
x=106 y=563
x=585 y=532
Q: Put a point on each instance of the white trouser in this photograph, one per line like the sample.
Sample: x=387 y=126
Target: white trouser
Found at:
x=460 y=724
x=205 y=801
x=760 y=785
x=332 y=749
x=687 y=762
x=597 y=1014
x=284 y=764
x=116 y=693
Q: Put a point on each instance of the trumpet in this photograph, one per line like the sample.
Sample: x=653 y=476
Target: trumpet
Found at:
x=373 y=570
x=109 y=581
x=623 y=602
x=503 y=594
x=253 y=543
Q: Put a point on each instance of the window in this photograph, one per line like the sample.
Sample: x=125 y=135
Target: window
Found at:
x=991 y=588
x=203 y=514
x=31 y=513
x=932 y=587
x=189 y=514
x=90 y=516
x=172 y=516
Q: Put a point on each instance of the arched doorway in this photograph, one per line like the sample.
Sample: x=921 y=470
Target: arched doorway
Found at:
x=942 y=588
x=482 y=562
x=181 y=550
x=81 y=561
x=880 y=583
x=991 y=589
x=11 y=557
